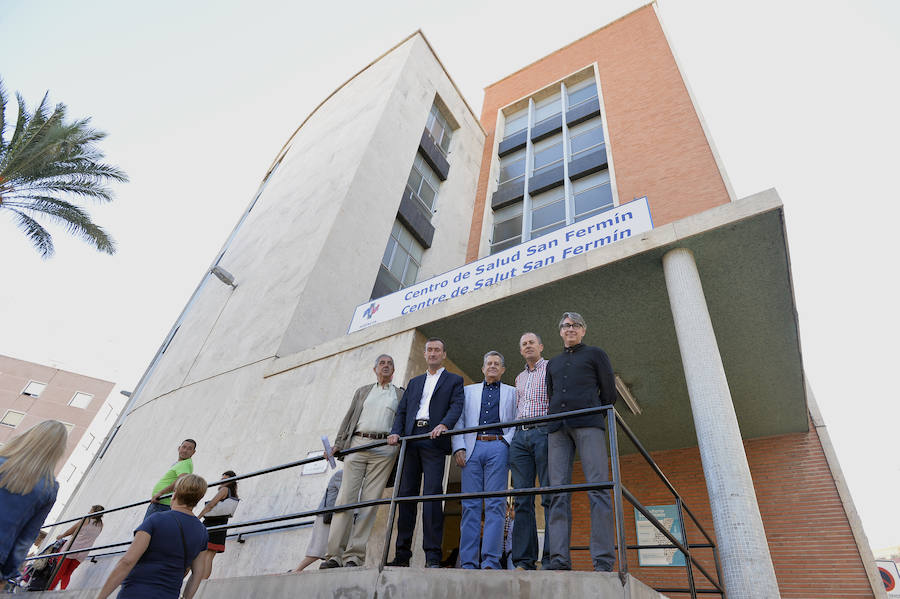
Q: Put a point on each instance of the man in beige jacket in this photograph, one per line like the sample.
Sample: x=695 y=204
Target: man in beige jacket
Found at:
x=366 y=473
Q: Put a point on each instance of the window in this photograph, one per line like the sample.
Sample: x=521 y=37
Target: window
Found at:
x=423 y=183
x=439 y=128
x=70 y=470
x=547 y=154
x=507 y=227
x=88 y=440
x=584 y=137
x=571 y=200
x=12 y=418
x=518 y=121
x=81 y=400
x=512 y=167
x=592 y=195
x=400 y=262
x=547 y=109
x=582 y=92
x=34 y=388
x=548 y=211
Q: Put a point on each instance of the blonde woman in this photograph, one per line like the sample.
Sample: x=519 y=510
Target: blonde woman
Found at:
x=27 y=489
x=165 y=545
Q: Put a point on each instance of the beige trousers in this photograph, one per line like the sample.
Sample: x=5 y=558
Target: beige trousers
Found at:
x=365 y=475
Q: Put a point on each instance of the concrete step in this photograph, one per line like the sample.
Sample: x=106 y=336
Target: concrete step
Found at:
x=413 y=583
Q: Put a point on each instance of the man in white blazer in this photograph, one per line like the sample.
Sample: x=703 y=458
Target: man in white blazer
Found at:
x=483 y=458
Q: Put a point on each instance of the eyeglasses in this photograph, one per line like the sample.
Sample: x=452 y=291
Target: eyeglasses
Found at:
x=571 y=325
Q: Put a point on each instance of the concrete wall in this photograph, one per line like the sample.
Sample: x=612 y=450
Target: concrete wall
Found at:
x=304 y=257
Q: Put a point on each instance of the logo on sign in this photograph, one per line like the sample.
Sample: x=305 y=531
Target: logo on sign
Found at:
x=371 y=310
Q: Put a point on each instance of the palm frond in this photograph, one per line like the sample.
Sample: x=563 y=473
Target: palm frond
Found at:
x=76 y=220
x=2 y=116
x=38 y=235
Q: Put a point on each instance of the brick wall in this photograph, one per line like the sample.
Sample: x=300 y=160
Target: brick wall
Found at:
x=812 y=547
x=655 y=138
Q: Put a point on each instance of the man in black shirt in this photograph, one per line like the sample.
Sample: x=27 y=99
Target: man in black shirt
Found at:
x=580 y=377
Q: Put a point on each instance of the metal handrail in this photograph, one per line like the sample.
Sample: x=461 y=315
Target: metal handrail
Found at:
x=620 y=492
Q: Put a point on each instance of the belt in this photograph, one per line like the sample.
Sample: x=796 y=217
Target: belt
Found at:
x=422 y=423
x=488 y=437
x=372 y=435
x=528 y=427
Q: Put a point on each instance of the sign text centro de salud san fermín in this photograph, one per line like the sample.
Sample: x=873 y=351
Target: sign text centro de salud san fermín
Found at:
x=603 y=229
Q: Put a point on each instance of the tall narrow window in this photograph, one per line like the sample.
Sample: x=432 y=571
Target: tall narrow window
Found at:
x=400 y=262
x=423 y=184
x=546 y=109
x=512 y=167
x=439 y=129
x=547 y=154
x=585 y=137
x=581 y=93
x=507 y=227
x=592 y=195
x=548 y=211
x=515 y=122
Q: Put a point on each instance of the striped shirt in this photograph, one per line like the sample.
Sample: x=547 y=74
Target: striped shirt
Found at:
x=531 y=391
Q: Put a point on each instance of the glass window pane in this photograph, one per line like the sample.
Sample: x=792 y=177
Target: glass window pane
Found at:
x=12 y=418
x=588 y=139
x=426 y=194
x=548 y=156
x=81 y=400
x=412 y=270
x=510 y=170
x=34 y=388
x=538 y=232
x=415 y=179
x=580 y=95
x=388 y=251
x=445 y=141
x=416 y=251
x=508 y=228
x=405 y=238
x=515 y=123
x=499 y=247
x=548 y=215
x=592 y=199
x=547 y=108
x=399 y=263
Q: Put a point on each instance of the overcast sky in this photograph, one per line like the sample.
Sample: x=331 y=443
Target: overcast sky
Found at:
x=198 y=97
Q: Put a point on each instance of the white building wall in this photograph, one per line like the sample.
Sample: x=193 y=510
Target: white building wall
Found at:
x=305 y=256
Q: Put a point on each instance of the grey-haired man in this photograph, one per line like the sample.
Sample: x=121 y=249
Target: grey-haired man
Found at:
x=578 y=378
x=368 y=419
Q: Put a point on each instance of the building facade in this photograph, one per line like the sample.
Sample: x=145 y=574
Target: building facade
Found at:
x=392 y=197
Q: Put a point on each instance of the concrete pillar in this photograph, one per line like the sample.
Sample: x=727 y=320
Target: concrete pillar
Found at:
x=747 y=569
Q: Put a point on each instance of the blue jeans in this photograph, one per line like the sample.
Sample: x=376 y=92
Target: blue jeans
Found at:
x=156 y=507
x=527 y=459
x=485 y=470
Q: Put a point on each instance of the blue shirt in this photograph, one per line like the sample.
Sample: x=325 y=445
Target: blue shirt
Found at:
x=490 y=408
x=21 y=517
x=160 y=571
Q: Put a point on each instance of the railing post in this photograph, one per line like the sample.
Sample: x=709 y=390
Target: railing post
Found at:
x=62 y=557
x=617 y=493
x=689 y=566
x=393 y=507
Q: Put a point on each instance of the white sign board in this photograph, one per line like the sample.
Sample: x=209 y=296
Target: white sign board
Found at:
x=889 y=576
x=603 y=229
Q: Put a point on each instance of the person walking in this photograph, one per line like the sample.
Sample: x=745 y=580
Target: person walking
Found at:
x=27 y=489
x=165 y=545
x=227 y=493
x=318 y=543
x=87 y=529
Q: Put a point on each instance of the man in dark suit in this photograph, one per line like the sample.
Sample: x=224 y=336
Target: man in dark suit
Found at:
x=432 y=403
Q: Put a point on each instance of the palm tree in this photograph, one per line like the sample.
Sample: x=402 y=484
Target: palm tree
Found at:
x=45 y=160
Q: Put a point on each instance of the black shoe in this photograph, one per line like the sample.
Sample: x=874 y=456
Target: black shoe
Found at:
x=328 y=564
x=351 y=564
x=398 y=563
x=432 y=564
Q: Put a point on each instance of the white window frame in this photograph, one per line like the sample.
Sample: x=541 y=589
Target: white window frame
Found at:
x=7 y=413
x=90 y=397
x=32 y=394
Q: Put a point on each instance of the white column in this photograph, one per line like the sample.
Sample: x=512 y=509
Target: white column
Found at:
x=747 y=569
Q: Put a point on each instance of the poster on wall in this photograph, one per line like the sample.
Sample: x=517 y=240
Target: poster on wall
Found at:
x=647 y=534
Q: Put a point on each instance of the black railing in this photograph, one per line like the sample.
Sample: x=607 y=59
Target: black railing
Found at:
x=620 y=492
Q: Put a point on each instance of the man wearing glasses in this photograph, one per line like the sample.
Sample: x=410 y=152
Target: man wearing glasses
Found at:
x=578 y=378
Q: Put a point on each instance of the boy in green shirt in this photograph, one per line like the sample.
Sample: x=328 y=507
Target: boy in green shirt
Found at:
x=166 y=484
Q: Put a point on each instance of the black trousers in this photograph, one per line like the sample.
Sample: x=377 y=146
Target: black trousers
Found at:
x=423 y=460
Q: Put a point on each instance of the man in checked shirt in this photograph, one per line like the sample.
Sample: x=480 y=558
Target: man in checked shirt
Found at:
x=528 y=455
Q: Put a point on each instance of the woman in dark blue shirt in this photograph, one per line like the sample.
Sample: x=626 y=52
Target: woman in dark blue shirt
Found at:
x=165 y=545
